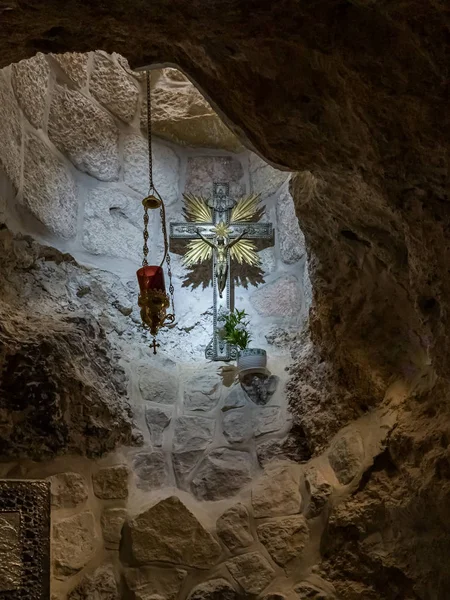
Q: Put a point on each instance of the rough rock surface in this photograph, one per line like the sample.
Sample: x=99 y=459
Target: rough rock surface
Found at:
x=68 y=490
x=102 y=585
x=233 y=527
x=169 y=532
x=222 y=473
x=74 y=405
x=112 y=87
x=113 y=222
x=112 y=521
x=155 y=582
x=73 y=544
x=277 y=492
x=111 y=483
x=150 y=469
x=319 y=490
x=354 y=95
x=51 y=199
x=252 y=571
x=292 y=240
x=280 y=298
x=216 y=589
x=182 y=115
x=346 y=457
x=85 y=132
x=30 y=81
x=136 y=167
x=10 y=132
x=285 y=538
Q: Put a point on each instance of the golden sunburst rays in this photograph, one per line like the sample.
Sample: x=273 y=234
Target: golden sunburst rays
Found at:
x=196 y=209
x=244 y=251
x=247 y=209
x=197 y=252
x=221 y=230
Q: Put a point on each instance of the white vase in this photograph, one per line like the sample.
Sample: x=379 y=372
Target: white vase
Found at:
x=252 y=359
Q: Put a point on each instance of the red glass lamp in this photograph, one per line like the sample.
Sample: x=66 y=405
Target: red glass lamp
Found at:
x=153 y=298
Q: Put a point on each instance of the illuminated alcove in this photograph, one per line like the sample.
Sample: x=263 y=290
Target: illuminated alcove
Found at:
x=74 y=172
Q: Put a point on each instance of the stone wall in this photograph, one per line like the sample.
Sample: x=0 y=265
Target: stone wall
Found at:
x=78 y=164
x=75 y=171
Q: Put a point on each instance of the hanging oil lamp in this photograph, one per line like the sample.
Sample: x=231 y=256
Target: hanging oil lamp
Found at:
x=154 y=301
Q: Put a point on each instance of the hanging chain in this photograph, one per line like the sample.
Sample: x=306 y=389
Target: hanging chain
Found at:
x=150 y=166
x=149 y=133
x=166 y=252
x=145 y=248
x=152 y=189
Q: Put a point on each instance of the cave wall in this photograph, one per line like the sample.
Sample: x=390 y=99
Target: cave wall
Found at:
x=354 y=95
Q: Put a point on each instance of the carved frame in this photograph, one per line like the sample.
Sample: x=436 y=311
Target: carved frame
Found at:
x=31 y=500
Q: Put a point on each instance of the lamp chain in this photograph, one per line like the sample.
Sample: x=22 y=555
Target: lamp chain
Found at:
x=149 y=133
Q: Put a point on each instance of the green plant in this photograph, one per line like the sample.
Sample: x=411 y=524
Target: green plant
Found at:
x=235 y=328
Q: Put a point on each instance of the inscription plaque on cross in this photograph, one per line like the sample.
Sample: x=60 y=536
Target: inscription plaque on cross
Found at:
x=221 y=229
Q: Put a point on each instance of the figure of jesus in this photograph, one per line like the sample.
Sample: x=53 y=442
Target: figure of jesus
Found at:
x=221 y=253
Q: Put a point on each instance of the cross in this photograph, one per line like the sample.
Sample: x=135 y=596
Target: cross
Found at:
x=154 y=345
x=221 y=203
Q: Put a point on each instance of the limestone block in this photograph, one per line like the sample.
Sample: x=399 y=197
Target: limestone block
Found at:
x=113 y=88
x=166 y=167
x=266 y=419
x=269 y=450
x=101 y=585
x=237 y=398
x=75 y=66
x=222 y=474
x=281 y=298
x=265 y=179
x=277 y=492
x=158 y=386
x=155 y=582
x=29 y=79
x=151 y=470
x=310 y=591
x=236 y=426
x=346 y=457
x=268 y=260
x=203 y=171
x=181 y=114
x=215 y=589
x=85 y=132
x=202 y=392
x=68 y=490
x=183 y=464
x=113 y=222
x=192 y=433
x=73 y=544
x=157 y=420
x=49 y=190
x=290 y=236
x=112 y=521
x=260 y=388
x=285 y=538
x=233 y=527
x=169 y=532
x=10 y=132
x=319 y=489
x=252 y=571
x=111 y=483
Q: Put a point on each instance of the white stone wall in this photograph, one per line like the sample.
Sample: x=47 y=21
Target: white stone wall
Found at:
x=78 y=163
x=74 y=165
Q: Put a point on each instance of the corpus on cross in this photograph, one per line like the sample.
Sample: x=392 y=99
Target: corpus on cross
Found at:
x=221 y=229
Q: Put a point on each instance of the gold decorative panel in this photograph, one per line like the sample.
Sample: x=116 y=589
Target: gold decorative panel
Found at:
x=24 y=540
